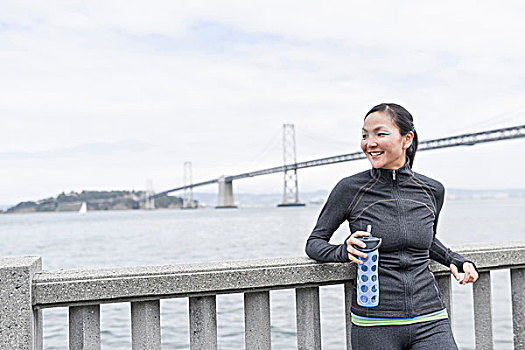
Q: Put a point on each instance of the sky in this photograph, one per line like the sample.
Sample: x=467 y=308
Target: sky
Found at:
x=104 y=95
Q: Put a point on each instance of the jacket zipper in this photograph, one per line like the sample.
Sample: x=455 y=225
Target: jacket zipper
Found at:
x=402 y=224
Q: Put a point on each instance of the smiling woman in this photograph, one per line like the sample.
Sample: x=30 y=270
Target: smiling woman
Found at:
x=402 y=208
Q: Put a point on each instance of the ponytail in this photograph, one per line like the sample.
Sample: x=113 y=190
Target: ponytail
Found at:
x=411 y=151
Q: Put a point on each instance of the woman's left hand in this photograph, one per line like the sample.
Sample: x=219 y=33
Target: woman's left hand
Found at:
x=471 y=275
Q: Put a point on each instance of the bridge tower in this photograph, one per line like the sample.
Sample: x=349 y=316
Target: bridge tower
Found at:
x=187 y=200
x=225 y=199
x=149 y=203
x=291 y=190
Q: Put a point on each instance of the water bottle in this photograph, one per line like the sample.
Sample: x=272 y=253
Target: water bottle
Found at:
x=367 y=279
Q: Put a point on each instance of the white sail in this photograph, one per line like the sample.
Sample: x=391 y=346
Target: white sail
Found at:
x=83 y=208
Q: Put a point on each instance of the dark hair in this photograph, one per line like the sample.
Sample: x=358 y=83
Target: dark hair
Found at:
x=404 y=121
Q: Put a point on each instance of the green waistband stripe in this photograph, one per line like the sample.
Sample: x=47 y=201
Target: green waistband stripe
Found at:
x=370 y=321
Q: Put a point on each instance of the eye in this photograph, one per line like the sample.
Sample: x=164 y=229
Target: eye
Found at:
x=364 y=136
x=382 y=134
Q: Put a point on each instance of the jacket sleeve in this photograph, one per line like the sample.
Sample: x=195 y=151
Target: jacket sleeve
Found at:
x=331 y=217
x=438 y=251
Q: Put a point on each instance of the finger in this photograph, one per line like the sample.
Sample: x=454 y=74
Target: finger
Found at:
x=360 y=253
x=466 y=278
x=473 y=277
x=360 y=234
x=454 y=270
x=358 y=242
x=354 y=259
x=353 y=251
x=353 y=241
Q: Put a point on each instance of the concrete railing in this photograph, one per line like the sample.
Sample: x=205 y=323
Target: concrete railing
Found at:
x=26 y=290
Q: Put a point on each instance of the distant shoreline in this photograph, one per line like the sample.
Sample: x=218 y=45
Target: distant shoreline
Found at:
x=95 y=201
x=208 y=199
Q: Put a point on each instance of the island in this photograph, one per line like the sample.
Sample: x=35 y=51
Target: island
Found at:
x=96 y=200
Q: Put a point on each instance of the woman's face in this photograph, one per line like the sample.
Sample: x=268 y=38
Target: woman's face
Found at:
x=382 y=142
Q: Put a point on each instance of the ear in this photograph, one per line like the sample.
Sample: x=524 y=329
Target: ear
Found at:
x=407 y=140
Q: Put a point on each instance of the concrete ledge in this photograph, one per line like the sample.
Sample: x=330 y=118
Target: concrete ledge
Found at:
x=95 y=286
x=489 y=256
x=52 y=289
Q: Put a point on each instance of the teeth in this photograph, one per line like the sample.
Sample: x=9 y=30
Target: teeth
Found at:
x=375 y=153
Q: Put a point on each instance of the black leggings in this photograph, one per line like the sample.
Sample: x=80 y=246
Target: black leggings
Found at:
x=430 y=335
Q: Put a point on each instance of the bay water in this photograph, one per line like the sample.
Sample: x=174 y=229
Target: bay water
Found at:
x=130 y=238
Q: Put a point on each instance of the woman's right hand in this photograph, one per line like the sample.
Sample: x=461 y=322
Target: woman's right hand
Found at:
x=353 y=240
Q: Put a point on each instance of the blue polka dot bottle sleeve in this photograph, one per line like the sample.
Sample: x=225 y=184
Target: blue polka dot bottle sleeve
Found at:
x=367 y=278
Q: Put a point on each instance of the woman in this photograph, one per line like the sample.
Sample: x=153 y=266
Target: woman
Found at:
x=402 y=208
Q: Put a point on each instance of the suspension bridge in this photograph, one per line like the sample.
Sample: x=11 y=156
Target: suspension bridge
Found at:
x=290 y=166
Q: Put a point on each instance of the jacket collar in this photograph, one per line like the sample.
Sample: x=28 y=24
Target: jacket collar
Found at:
x=390 y=176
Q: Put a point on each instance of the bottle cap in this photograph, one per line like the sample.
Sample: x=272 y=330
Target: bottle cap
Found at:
x=372 y=243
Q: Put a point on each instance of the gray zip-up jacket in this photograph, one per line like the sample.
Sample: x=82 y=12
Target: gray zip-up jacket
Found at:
x=403 y=208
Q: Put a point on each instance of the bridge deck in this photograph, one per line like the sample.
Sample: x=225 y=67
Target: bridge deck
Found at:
x=426 y=145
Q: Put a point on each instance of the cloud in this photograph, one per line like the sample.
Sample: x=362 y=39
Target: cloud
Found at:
x=212 y=81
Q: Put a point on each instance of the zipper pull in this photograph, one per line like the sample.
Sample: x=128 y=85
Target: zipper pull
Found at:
x=394 y=175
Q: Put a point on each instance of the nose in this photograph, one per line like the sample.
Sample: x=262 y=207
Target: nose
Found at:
x=372 y=142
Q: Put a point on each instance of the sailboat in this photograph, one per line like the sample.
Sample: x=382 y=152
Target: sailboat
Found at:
x=83 y=208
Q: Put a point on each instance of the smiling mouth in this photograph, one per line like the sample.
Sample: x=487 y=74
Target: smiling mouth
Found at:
x=373 y=154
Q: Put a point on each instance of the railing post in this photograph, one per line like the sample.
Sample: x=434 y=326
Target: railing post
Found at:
x=483 y=312
x=257 y=321
x=84 y=327
x=308 y=318
x=517 y=285
x=145 y=325
x=446 y=293
x=203 y=323
x=348 y=317
x=20 y=326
